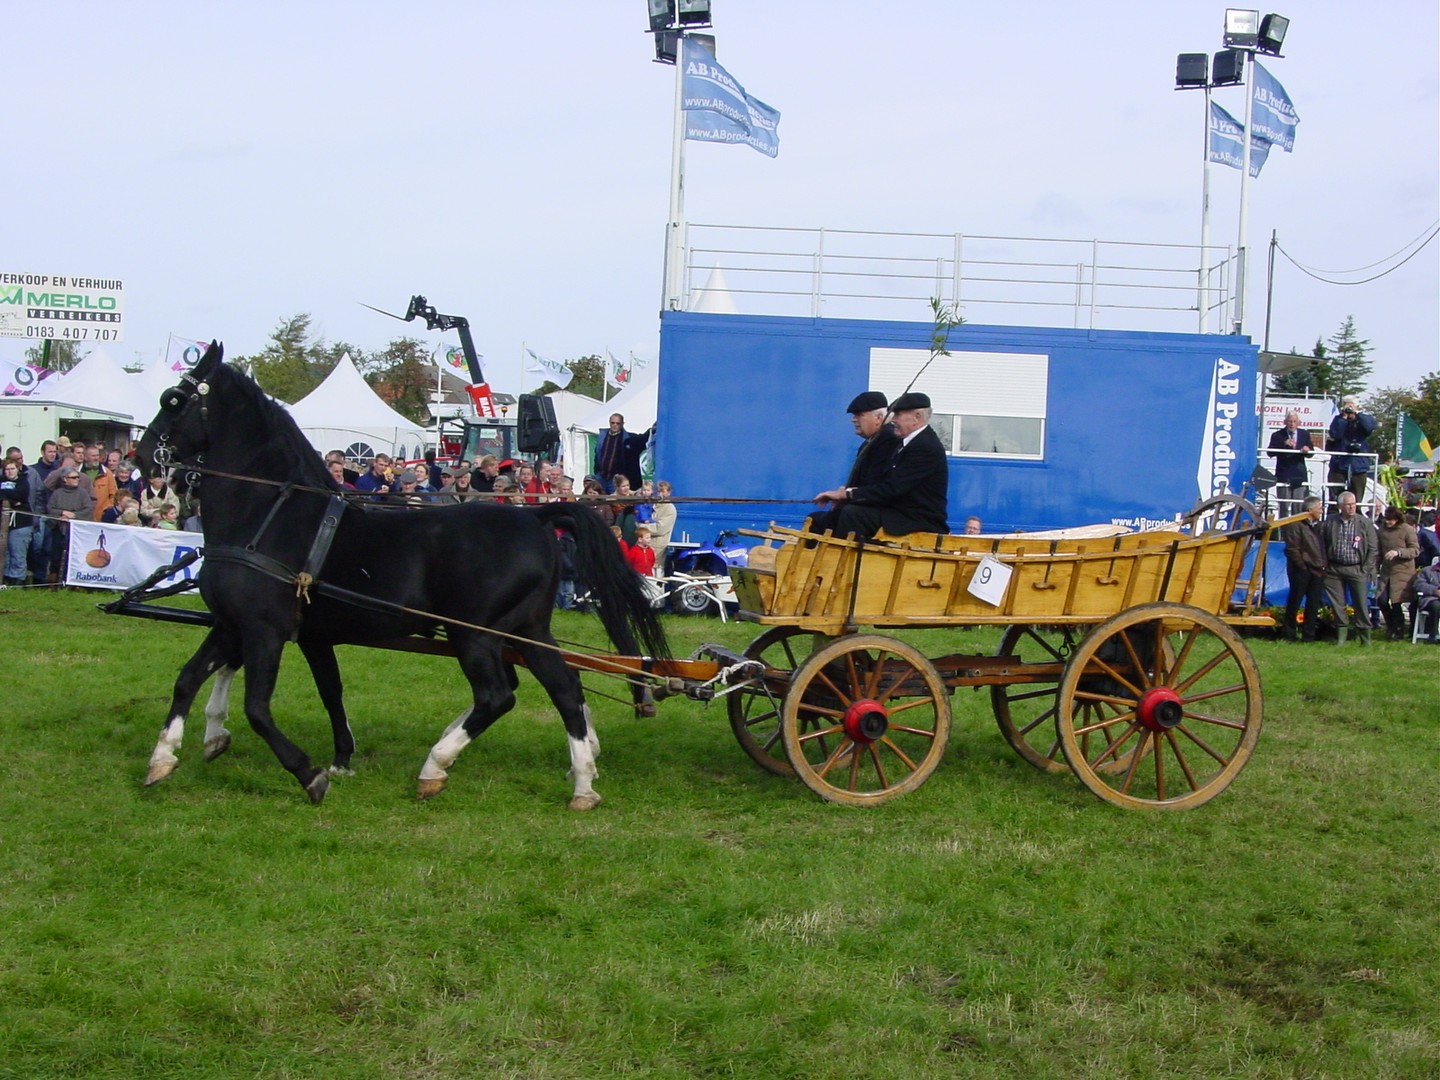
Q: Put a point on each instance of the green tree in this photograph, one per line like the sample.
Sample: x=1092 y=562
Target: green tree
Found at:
x=1386 y=405
x=1349 y=359
x=64 y=355
x=287 y=367
x=403 y=375
x=1425 y=408
x=588 y=378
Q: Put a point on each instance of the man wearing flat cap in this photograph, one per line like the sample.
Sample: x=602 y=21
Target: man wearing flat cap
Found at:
x=870 y=418
x=910 y=493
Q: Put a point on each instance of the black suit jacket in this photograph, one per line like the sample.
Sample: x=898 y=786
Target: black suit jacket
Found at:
x=872 y=460
x=913 y=492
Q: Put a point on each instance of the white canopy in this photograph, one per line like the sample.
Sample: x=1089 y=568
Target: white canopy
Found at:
x=99 y=382
x=344 y=413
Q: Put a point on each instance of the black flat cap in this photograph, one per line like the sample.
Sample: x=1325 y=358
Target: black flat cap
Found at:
x=913 y=400
x=869 y=401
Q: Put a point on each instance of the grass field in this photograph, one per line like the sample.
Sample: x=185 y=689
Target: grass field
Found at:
x=708 y=919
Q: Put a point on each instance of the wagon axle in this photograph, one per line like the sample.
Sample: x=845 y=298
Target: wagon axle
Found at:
x=1160 y=708
x=866 y=721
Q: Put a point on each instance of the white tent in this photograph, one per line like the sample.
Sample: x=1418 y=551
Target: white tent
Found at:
x=639 y=403
x=99 y=382
x=343 y=413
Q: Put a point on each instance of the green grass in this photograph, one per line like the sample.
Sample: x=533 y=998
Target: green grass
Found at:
x=707 y=918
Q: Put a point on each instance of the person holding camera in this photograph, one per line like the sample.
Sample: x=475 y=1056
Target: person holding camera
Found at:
x=1349 y=444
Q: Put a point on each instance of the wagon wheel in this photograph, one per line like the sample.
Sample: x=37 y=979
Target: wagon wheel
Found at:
x=867 y=717
x=1223 y=514
x=755 y=714
x=1026 y=712
x=1173 y=680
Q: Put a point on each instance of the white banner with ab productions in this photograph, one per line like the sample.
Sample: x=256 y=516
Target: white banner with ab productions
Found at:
x=119 y=556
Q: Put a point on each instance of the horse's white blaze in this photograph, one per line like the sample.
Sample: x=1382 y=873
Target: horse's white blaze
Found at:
x=171 y=736
x=444 y=752
x=217 y=709
x=582 y=767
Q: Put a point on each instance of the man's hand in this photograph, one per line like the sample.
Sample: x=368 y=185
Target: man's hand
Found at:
x=834 y=495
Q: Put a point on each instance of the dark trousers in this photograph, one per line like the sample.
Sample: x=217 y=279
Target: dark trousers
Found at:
x=1290 y=497
x=845 y=520
x=1353 y=482
x=1309 y=587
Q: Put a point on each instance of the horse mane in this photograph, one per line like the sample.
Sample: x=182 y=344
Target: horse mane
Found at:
x=280 y=434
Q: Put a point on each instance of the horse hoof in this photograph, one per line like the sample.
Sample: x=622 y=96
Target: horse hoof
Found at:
x=645 y=710
x=216 y=746
x=160 y=770
x=341 y=770
x=428 y=789
x=584 y=802
x=317 y=788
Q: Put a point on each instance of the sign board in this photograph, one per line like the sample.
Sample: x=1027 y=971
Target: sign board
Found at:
x=40 y=306
x=1315 y=415
x=990 y=580
x=121 y=556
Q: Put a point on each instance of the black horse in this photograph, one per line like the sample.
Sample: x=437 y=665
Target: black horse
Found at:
x=287 y=558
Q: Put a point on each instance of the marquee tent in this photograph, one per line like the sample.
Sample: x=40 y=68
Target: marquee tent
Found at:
x=99 y=382
x=343 y=413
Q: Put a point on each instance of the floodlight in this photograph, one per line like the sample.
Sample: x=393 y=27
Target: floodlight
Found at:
x=1229 y=68
x=1191 y=69
x=662 y=14
x=1242 y=28
x=667 y=46
x=1272 y=33
x=694 y=12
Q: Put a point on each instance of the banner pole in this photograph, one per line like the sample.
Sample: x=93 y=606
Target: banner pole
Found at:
x=1205 y=222
x=674 y=254
x=1243 y=262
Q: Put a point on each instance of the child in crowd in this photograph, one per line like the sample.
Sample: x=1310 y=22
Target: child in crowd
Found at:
x=641 y=555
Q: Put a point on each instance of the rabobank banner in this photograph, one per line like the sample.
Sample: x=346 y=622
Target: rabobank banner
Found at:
x=1273 y=118
x=119 y=556
x=1218 y=454
x=1226 y=145
x=717 y=108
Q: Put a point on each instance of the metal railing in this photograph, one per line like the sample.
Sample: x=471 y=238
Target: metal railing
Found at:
x=843 y=273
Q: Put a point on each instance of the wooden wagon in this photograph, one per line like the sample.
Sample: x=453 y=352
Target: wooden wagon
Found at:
x=1119 y=656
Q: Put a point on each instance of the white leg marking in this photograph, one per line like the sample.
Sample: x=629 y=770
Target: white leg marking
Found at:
x=166 y=750
x=590 y=736
x=444 y=752
x=217 y=710
x=582 y=771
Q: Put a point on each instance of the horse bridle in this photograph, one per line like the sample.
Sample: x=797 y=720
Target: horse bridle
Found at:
x=175 y=403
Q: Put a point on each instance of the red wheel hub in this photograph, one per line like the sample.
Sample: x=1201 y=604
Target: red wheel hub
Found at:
x=1160 y=708
x=865 y=721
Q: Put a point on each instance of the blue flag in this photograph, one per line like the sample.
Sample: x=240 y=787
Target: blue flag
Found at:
x=1273 y=117
x=717 y=108
x=1226 y=146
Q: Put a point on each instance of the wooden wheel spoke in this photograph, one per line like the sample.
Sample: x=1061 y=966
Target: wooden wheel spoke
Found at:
x=1112 y=751
x=1204 y=669
x=1130 y=771
x=858 y=687
x=1135 y=660
x=915 y=703
x=1162 y=671
x=898 y=752
x=896 y=684
x=1104 y=699
x=821 y=710
x=1048 y=714
x=1218 y=721
x=833 y=758
x=1029 y=695
x=1054 y=652
x=824 y=677
x=856 y=751
x=1180 y=760
x=1112 y=673
x=1106 y=722
x=880 y=767
x=820 y=733
x=924 y=733
x=1159 y=767
x=1201 y=743
x=1219 y=691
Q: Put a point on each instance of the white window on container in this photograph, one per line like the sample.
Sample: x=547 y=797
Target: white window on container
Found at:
x=984 y=404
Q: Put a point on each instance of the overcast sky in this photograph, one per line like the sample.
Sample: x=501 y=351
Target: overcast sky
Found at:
x=238 y=164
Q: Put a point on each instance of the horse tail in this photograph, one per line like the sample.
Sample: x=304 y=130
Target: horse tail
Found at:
x=625 y=609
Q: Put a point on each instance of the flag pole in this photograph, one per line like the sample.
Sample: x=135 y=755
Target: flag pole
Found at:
x=1242 y=275
x=1205 y=222
x=674 y=235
